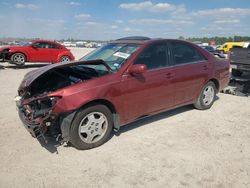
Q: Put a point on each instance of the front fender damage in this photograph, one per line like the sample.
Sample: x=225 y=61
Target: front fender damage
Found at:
x=65 y=125
x=40 y=104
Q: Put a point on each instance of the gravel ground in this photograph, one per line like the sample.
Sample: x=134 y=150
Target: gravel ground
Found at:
x=180 y=148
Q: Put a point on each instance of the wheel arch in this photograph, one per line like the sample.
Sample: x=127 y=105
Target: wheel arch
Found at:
x=100 y=101
x=60 y=55
x=216 y=83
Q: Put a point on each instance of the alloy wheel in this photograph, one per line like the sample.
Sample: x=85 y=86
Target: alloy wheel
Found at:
x=93 y=127
x=65 y=59
x=19 y=59
x=208 y=95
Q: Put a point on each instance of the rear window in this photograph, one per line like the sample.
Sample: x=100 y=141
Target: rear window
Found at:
x=184 y=53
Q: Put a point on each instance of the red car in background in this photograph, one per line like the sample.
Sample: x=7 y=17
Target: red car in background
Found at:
x=122 y=81
x=37 y=51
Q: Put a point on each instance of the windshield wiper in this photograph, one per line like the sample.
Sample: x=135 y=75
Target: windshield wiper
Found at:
x=98 y=62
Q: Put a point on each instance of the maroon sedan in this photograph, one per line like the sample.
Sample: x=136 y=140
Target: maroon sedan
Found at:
x=116 y=84
x=37 y=51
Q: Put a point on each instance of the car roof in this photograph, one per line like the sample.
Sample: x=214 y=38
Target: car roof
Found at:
x=145 y=41
x=50 y=41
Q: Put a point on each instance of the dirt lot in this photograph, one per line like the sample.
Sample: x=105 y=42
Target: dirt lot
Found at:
x=180 y=148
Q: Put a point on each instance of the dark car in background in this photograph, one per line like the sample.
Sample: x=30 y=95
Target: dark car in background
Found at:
x=215 y=52
x=36 y=51
x=120 y=82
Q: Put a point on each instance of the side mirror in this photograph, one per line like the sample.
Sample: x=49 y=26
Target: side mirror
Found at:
x=137 y=69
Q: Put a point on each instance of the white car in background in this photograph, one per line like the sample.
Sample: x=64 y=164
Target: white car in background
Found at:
x=89 y=45
x=68 y=44
x=81 y=44
x=98 y=45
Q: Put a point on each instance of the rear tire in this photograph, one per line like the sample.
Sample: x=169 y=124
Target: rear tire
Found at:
x=236 y=72
x=91 y=127
x=206 y=97
x=18 y=58
x=65 y=59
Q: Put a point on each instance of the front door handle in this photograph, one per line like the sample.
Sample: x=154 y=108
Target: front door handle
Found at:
x=205 y=67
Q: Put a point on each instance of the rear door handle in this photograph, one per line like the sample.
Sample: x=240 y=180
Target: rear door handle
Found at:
x=169 y=75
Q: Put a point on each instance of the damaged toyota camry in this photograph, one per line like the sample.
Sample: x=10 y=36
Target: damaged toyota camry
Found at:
x=82 y=102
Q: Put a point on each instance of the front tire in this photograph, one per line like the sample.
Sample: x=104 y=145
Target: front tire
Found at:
x=206 y=97
x=91 y=127
x=18 y=58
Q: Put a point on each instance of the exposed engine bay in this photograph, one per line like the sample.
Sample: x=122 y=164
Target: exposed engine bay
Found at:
x=61 y=77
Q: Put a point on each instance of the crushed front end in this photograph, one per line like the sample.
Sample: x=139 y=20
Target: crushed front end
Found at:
x=37 y=116
x=4 y=55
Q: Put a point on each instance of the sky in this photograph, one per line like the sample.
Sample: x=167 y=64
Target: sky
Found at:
x=111 y=19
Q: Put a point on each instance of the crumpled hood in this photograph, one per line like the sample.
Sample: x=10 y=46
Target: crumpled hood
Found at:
x=31 y=76
x=4 y=47
x=9 y=47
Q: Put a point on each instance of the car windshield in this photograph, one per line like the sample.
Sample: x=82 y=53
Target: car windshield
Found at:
x=114 y=54
x=24 y=43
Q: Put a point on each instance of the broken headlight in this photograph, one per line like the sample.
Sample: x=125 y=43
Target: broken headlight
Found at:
x=42 y=107
x=53 y=100
x=43 y=103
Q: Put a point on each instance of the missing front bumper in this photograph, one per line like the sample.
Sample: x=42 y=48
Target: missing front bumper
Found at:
x=58 y=129
x=36 y=130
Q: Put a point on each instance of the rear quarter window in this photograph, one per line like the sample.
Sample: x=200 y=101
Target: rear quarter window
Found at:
x=54 y=46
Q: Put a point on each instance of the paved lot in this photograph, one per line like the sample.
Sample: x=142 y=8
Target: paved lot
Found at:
x=180 y=148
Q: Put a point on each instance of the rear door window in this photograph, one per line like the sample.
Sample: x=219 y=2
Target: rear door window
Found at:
x=183 y=53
